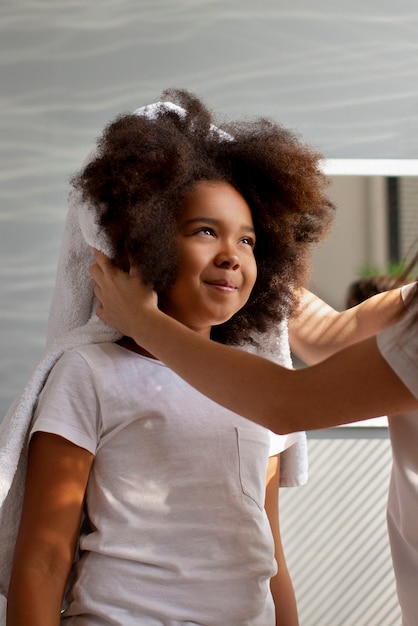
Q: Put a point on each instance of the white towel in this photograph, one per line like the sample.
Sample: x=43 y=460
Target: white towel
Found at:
x=72 y=323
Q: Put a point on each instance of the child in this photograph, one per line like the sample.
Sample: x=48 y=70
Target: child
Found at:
x=170 y=486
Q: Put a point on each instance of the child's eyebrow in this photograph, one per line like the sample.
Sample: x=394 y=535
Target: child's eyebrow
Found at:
x=215 y=222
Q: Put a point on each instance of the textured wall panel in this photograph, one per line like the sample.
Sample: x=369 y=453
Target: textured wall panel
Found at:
x=334 y=531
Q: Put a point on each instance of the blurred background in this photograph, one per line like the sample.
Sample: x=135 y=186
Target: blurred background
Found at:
x=345 y=76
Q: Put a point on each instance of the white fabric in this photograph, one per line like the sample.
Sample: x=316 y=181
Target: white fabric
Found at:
x=176 y=495
x=399 y=346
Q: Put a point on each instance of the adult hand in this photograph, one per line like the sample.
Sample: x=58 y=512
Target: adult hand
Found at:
x=123 y=297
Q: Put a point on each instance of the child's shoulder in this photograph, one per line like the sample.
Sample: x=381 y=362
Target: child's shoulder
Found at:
x=93 y=352
x=86 y=356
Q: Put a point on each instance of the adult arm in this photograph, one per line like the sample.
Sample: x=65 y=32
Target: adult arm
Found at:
x=317 y=330
x=281 y=584
x=354 y=384
x=54 y=493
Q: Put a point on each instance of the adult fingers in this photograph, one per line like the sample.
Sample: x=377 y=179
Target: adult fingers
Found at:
x=101 y=259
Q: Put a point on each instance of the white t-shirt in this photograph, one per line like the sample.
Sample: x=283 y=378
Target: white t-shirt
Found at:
x=175 y=497
x=401 y=353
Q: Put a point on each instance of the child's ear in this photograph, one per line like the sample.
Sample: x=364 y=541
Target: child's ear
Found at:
x=133 y=269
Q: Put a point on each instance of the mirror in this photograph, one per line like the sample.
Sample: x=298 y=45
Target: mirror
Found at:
x=376 y=226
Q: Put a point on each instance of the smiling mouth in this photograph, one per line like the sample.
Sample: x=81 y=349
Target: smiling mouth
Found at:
x=223 y=285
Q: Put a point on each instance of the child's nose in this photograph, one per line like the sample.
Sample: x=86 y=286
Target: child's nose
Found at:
x=228 y=260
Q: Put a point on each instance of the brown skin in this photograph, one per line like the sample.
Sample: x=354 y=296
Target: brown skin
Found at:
x=281 y=584
x=318 y=330
x=56 y=482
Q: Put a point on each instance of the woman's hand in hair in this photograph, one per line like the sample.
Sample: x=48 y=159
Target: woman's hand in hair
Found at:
x=123 y=297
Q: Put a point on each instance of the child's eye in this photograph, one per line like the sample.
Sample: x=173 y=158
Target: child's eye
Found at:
x=205 y=230
x=249 y=241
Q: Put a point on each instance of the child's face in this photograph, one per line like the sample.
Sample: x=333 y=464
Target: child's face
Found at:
x=217 y=268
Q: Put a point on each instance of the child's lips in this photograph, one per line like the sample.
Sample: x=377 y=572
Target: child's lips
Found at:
x=222 y=285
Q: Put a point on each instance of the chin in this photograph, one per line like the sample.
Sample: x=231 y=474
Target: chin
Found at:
x=223 y=320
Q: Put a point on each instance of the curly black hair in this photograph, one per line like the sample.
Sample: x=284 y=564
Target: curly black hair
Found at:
x=145 y=165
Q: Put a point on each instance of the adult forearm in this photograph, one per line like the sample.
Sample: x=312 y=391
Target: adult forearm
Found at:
x=356 y=384
x=352 y=385
x=231 y=377
x=318 y=330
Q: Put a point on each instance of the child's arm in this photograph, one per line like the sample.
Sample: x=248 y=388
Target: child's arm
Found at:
x=317 y=330
x=354 y=384
x=281 y=584
x=56 y=481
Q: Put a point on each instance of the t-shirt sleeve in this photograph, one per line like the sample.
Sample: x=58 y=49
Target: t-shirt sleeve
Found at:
x=398 y=345
x=280 y=443
x=293 y=452
x=68 y=405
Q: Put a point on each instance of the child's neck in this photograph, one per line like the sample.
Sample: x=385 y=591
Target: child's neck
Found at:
x=129 y=344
